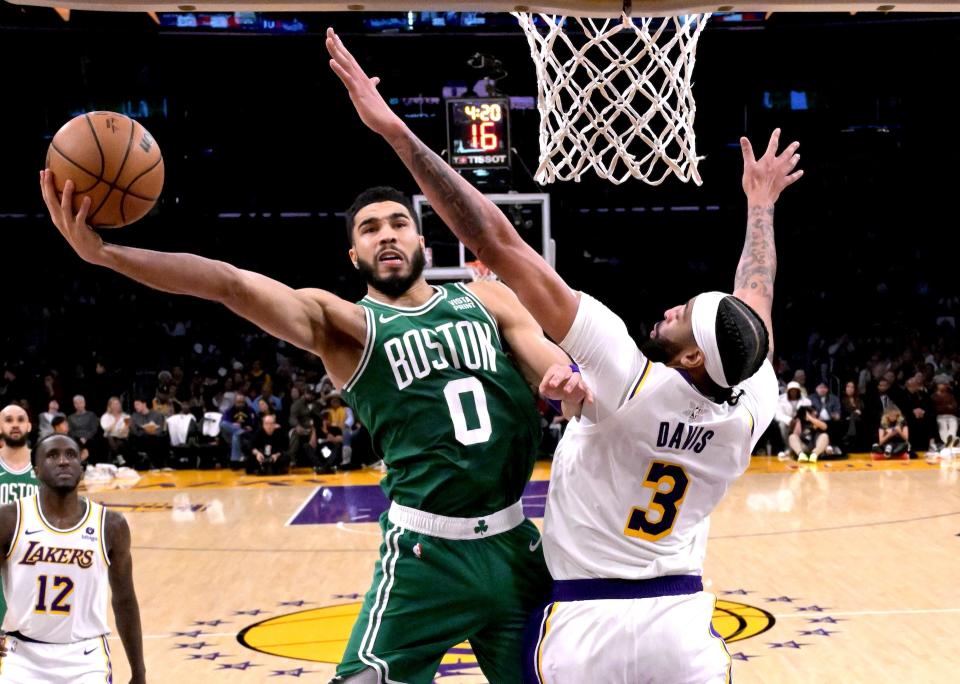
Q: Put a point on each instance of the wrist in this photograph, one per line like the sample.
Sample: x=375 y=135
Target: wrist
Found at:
x=760 y=202
x=396 y=132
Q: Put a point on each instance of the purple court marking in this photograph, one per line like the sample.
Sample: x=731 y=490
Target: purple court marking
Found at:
x=365 y=503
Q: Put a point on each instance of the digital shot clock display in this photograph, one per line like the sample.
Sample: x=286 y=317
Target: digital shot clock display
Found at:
x=478 y=132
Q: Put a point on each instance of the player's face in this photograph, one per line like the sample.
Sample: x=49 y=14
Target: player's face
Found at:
x=387 y=249
x=58 y=463
x=14 y=426
x=673 y=336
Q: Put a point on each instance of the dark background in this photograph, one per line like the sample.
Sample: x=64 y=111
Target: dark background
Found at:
x=257 y=124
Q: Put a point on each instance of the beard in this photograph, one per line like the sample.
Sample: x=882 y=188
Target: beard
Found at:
x=660 y=350
x=395 y=284
x=15 y=442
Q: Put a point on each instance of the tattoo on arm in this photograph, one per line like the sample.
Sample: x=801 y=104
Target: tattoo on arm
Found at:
x=466 y=210
x=758 y=262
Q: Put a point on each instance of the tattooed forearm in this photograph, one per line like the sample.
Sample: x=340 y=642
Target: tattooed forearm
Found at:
x=470 y=215
x=758 y=262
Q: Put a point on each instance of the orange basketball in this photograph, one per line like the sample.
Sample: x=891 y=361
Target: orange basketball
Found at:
x=111 y=159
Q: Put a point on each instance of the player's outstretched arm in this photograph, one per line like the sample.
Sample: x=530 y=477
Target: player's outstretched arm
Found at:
x=473 y=218
x=534 y=353
x=763 y=181
x=307 y=318
x=126 y=610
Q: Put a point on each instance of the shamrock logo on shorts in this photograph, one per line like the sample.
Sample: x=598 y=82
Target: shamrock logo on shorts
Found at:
x=481 y=527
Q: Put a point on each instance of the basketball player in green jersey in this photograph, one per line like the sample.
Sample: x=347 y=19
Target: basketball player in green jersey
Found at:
x=17 y=477
x=426 y=369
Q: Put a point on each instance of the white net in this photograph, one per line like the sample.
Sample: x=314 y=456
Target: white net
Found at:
x=615 y=95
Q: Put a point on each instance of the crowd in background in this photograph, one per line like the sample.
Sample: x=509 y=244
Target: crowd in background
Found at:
x=191 y=392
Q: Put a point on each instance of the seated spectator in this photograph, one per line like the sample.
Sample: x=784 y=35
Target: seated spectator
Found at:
x=339 y=414
x=60 y=425
x=266 y=449
x=826 y=405
x=800 y=378
x=238 y=420
x=914 y=402
x=148 y=436
x=46 y=418
x=894 y=437
x=164 y=404
x=116 y=429
x=270 y=400
x=945 y=406
x=329 y=445
x=302 y=434
x=809 y=439
x=876 y=404
x=851 y=417
x=786 y=414
x=85 y=429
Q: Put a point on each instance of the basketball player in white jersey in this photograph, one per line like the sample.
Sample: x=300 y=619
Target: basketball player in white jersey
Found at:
x=62 y=551
x=673 y=423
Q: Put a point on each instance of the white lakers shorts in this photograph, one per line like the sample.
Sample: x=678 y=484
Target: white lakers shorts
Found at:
x=82 y=662
x=659 y=639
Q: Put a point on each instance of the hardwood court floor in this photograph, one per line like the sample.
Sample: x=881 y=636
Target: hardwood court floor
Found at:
x=837 y=572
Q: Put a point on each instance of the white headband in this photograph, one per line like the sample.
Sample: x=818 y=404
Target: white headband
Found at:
x=704 y=320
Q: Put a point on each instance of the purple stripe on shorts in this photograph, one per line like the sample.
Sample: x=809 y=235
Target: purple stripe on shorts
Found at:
x=599 y=589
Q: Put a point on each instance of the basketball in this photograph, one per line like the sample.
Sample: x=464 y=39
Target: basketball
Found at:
x=111 y=159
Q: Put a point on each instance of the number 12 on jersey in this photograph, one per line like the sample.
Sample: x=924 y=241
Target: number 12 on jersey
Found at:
x=58 y=606
x=669 y=484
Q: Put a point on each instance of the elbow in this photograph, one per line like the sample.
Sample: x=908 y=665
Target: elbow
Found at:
x=232 y=287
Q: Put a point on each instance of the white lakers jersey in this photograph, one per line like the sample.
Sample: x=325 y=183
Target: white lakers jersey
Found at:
x=635 y=479
x=56 y=581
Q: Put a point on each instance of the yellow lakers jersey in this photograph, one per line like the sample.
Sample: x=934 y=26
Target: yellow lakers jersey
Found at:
x=634 y=481
x=56 y=581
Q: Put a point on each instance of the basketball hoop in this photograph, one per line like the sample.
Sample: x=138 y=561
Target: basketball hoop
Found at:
x=617 y=98
x=478 y=271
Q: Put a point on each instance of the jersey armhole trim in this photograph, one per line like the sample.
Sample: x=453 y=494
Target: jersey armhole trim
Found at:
x=103 y=534
x=476 y=299
x=367 y=349
x=753 y=422
x=16 y=531
x=644 y=374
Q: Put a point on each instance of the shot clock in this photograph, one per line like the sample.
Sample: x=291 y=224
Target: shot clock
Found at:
x=478 y=133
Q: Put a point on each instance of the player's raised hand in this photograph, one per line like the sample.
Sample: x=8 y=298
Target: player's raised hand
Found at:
x=370 y=105
x=562 y=383
x=73 y=227
x=765 y=178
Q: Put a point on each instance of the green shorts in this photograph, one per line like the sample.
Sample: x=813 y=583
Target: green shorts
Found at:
x=430 y=594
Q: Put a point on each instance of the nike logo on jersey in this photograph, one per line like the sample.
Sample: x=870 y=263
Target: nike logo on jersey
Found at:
x=387 y=319
x=28 y=532
x=535 y=545
x=90 y=651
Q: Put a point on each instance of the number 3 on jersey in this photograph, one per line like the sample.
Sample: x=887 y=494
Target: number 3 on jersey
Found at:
x=669 y=484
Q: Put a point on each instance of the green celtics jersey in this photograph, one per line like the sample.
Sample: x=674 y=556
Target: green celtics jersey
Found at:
x=15 y=485
x=450 y=415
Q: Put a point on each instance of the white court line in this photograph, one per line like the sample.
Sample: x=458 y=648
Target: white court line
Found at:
x=342 y=526
x=834 y=613
x=303 y=505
